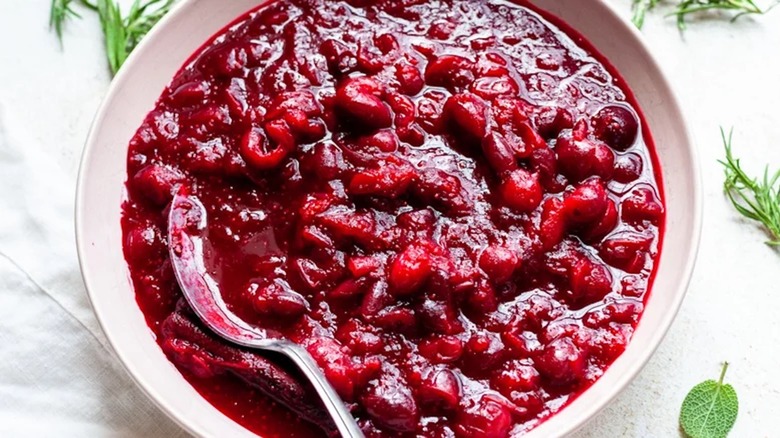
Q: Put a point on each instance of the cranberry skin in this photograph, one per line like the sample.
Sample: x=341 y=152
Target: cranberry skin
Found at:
x=439 y=317
x=410 y=81
x=521 y=191
x=587 y=203
x=360 y=98
x=596 y=231
x=441 y=349
x=157 y=183
x=590 y=281
x=579 y=159
x=410 y=269
x=484 y=351
x=439 y=387
x=486 y=417
x=499 y=153
x=642 y=205
x=451 y=71
x=360 y=338
x=553 y=225
x=627 y=251
x=516 y=376
x=388 y=180
x=616 y=126
x=628 y=168
x=469 y=113
x=562 y=362
x=277 y=299
x=499 y=262
x=390 y=402
x=550 y=121
x=259 y=153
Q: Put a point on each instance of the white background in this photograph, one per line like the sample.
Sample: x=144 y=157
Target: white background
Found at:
x=58 y=379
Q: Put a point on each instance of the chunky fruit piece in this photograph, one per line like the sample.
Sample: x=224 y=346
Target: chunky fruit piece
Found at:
x=440 y=388
x=258 y=151
x=468 y=113
x=617 y=126
x=516 y=376
x=157 y=183
x=521 y=191
x=360 y=98
x=562 y=362
x=642 y=205
x=590 y=281
x=486 y=417
x=580 y=158
x=391 y=403
x=277 y=299
x=626 y=251
x=499 y=262
x=587 y=203
x=410 y=269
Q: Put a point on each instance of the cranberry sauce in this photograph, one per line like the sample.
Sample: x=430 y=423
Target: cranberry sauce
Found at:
x=450 y=203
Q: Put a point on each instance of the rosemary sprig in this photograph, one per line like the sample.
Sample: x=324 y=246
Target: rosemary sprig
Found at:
x=122 y=33
x=685 y=8
x=688 y=7
x=754 y=198
x=640 y=9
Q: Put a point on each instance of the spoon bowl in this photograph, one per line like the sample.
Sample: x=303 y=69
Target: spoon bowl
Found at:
x=187 y=224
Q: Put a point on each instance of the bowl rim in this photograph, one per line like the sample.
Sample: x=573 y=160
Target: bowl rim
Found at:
x=633 y=370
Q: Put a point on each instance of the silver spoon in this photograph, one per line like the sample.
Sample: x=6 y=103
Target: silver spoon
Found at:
x=186 y=225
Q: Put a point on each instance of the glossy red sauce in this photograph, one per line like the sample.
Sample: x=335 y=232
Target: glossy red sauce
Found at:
x=453 y=205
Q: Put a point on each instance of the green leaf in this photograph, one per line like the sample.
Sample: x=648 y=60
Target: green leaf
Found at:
x=710 y=409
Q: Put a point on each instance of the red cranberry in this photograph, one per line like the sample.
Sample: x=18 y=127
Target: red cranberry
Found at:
x=410 y=269
x=257 y=151
x=360 y=338
x=590 y=281
x=390 y=402
x=440 y=388
x=553 y=225
x=157 y=183
x=360 y=98
x=499 y=153
x=469 y=113
x=144 y=244
x=486 y=417
x=603 y=226
x=516 y=376
x=484 y=351
x=626 y=251
x=550 y=121
x=335 y=363
x=628 y=168
x=278 y=299
x=493 y=87
x=441 y=349
x=587 y=203
x=396 y=320
x=579 y=159
x=389 y=180
x=617 y=126
x=451 y=71
x=642 y=205
x=521 y=191
x=499 y=262
x=439 y=317
x=410 y=81
x=562 y=362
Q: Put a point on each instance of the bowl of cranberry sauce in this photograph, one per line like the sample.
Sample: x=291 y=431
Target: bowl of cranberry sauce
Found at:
x=456 y=207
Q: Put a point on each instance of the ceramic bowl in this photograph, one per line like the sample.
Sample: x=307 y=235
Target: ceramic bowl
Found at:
x=133 y=93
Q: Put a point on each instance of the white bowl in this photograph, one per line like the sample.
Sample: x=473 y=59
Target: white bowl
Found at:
x=153 y=64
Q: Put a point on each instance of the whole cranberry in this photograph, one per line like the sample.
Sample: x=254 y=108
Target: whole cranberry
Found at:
x=590 y=281
x=616 y=126
x=516 y=376
x=521 y=191
x=390 y=402
x=469 y=113
x=360 y=99
x=562 y=362
x=410 y=269
x=626 y=251
x=642 y=205
x=628 y=168
x=157 y=183
x=499 y=262
x=579 y=159
x=439 y=387
x=486 y=417
x=586 y=203
x=441 y=349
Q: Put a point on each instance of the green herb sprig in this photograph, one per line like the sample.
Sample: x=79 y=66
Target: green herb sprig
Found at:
x=755 y=198
x=122 y=33
x=710 y=409
x=685 y=8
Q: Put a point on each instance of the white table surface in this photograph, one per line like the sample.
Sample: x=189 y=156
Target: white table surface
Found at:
x=58 y=379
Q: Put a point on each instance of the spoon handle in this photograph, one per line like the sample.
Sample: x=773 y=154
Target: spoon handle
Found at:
x=345 y=423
